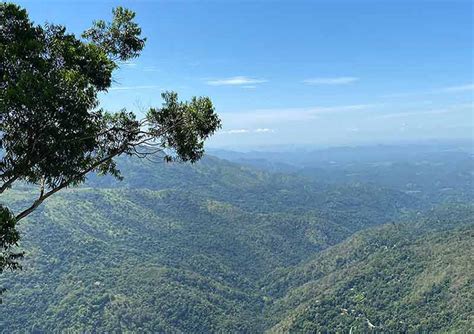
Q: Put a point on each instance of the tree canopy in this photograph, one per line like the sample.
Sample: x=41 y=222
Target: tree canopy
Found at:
x=52 y=130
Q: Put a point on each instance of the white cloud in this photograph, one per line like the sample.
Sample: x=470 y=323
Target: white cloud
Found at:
x=151 y=69
x=451 y=89
x=291 y=114
x=240 y=131
x=447 y=110
x=330 y=81
x=462 y=88
x=410 y=113
x=235 y=81
x=261 y=130
x=266 y=118
x=234 y=131
x=135 y=87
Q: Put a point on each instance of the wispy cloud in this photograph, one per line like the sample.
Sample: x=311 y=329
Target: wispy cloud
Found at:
x=411 y=113
x=135 y=87
x=462 y=88
x=241 y=131
x=330 y=81
x=236 y=81
x=353 y=129
x=447 y=110
x=310 y=112
x=263 y=130
x=151 y=69
x=451 y=89
x=261 y=117
x=133 y=65
x=234 y=131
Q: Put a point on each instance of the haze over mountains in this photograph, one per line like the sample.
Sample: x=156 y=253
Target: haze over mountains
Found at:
x=347 y=241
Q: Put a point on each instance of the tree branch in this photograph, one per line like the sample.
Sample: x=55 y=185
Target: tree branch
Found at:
x=8 y=183
x=64 y=184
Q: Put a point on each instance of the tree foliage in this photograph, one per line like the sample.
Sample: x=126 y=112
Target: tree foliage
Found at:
x=52 y=131
x=9 y=237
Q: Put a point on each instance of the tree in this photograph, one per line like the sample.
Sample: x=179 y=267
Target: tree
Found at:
x=52 y=133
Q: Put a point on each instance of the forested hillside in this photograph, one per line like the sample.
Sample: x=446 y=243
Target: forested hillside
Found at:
x=414 y=276
x=220 y=247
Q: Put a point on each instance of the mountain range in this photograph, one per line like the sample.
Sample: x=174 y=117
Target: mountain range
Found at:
x=220 y=246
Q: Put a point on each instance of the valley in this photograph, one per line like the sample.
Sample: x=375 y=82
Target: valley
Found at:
x=220 y=247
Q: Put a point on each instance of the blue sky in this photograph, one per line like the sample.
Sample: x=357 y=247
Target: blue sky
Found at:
x=299 y=72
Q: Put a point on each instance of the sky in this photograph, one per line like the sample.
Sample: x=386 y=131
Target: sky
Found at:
x=308 y=73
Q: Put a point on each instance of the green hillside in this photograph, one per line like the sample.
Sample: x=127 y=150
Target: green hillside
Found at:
x=410 y=277
x=212 y=247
